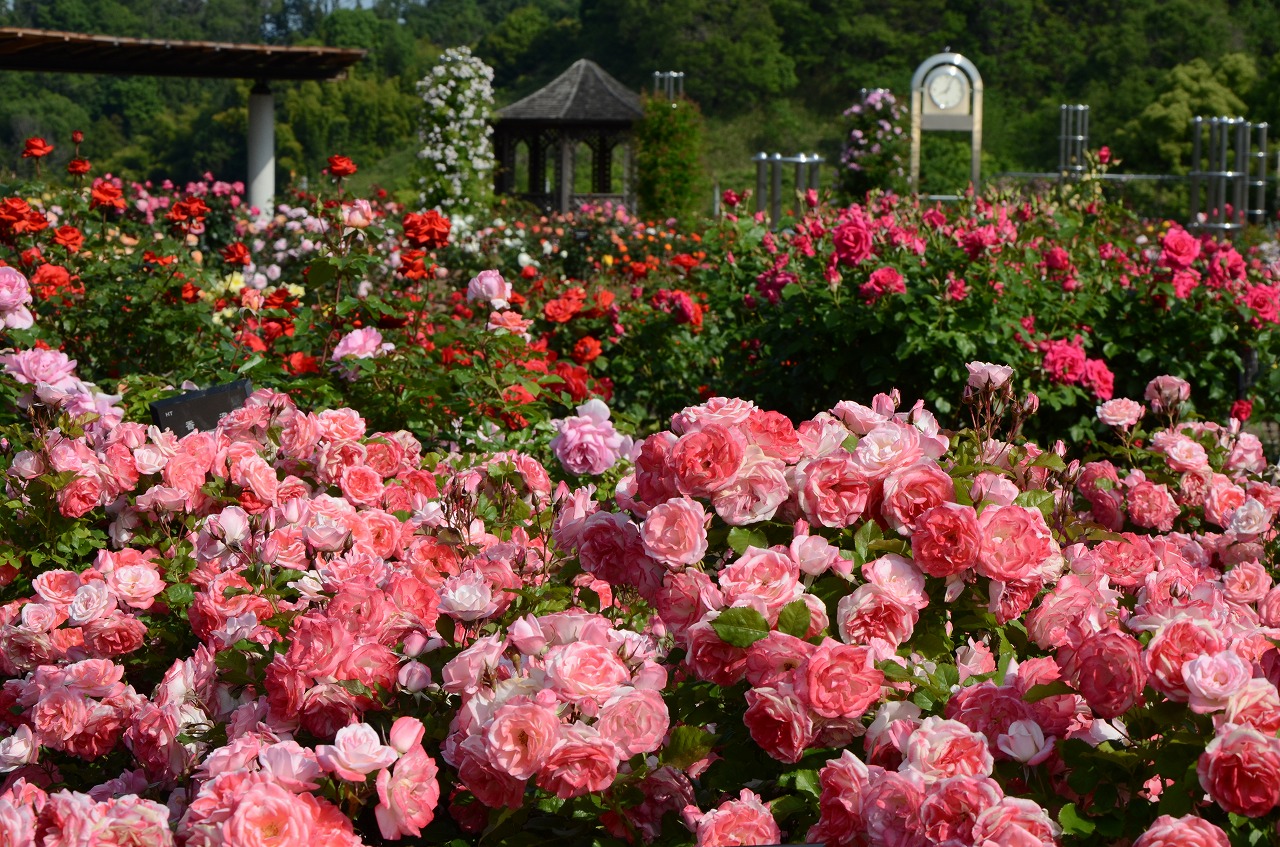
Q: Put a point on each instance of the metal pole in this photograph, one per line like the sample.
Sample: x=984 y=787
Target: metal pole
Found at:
x=1063 y=114
x=1258 y=175
x=1241 y=179
x=802 y=162
x=762 y=181
x=262 y=148
x=775 y=199
x=1196 y=132
x=815 y=177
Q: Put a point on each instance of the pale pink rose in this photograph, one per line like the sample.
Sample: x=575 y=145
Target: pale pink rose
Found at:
x=15 y=295
x=356 y=752
x=984 y=375
x=136 y=585
x=912 y=490
x=870 y=612
x=587 y=443
x=947 y=540
x=582 y=762
x=725 y=411
x=267 y=814
x=585 y=671
x=860 y=419
x=520 y=738
x=707 y=459
x=1186 y=831
x=889 y=446
x=833 y=491
x=291 y=765
x=1250 y=520
x=768 y=576
x=891 y=805
x=778 y=722
x=838 y=680
x=405 y=733
x=93 y=600
x=675 y=532
x=1182 y=453
x=31 y=367
x=900 y=577
x=821 y=436
x=1120 y=412
x=18 y=749
x=357 y=214
x=132 y=820
x=1015 y=542
x=634 y=720
x=1212 y=679
x=993 y=488
x=407 y=795
x=746 y=820
x=1247 y=455
x=340 y=425
x=1024 y=742
x=27 y=465
x=757 y=491
x=465 y=672
x=1167 y=393
x=1240 y=770
x=1247 y=582
x=816 y=555
x=489 y=285
x=941 y=748
x=1256 y=703
x=363 y=343
x=1015 y=821
x=467 y=596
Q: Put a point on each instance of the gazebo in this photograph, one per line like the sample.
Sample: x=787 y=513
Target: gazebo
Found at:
x=582 y=106
x=72 y=52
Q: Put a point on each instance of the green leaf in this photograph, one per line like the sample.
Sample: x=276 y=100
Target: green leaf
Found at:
x=740 y=539
x=446 y=627
x=867 y=533
x=688 y=744
x=1036 y=693
x=1036 y=499
x=1052 y=461
x=320 y=272
x=1072 y=822
x=180 y=594
x=794 y=619
x=740 y=627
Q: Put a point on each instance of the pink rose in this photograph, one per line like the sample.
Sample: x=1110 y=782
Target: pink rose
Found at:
x=986 y=376
x=871 y=612
x=363 y=343
x=1256 y=703
x=1015 y=542
x=489 y=285
x=1179 y=248
x=852 y=242
x=770 y=577
x=1152 y=506
x=587 y=443
x=584 y=671
x=743 y=821
x=581 y=763
x=708 y=459
x=15 y=294
x=712 y=659
x=1211 y=679
x=1240 y=770
x=1120 y=412
x=136 y=585
x=356 y=752
x=635 y=721
x=407 y=795
x=888 y=446
x=1173 y=646
x=520 y=738
x=1107 y=671
x=839 y=680
x=82 y=495
x=913 y=490
x=953 y=805
x=778 y=721
x=675 y=532
x=1015 y=821
x=947 y=539
x=941 y=748
x=757 y=491
x=267 y=814
x=833 y=491
x=1186 y=831
x=34 y=366
x=1167 y=393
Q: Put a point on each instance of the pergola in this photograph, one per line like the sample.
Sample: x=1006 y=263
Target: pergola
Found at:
x=582 y=105
x=71 y=52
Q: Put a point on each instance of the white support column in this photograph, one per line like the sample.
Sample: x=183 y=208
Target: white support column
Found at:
x=262 y=148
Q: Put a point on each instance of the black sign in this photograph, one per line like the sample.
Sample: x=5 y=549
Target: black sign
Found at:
x=200 y=410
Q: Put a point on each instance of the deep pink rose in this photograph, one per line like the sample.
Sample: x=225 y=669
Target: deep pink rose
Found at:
x=1240 y=770
x=707 y=459
x=834 y=490
x=852 y=242
x=743 y=821
x=1107 y=671
x=1186 y=831
x=778 y=722
x=1015 y=542
x=912 y=490
x=947 y=540
x=839 y=680
x=1179 y=248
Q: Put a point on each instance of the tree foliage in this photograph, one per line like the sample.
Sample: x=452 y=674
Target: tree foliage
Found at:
x=670 y=144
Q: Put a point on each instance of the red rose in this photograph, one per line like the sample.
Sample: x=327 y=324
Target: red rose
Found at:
x=1241 y=410
x=429 y=229
x=341 y=166
x=69 y=237
x=586 y=350
x=106 y=194
x=37 y=148
x=77 y=137
x=78 y=167
x=236 y=254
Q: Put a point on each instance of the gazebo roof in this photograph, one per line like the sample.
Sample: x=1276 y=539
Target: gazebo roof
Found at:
x=73 y=52
x=585 y=93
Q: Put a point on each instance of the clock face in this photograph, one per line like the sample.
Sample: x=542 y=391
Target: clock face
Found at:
x=946 y=90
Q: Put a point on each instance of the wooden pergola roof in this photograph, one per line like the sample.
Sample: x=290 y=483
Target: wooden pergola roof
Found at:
x=583 y=94
x=72 y=52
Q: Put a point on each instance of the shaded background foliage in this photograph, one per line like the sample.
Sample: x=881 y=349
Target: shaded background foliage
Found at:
x=769 y=74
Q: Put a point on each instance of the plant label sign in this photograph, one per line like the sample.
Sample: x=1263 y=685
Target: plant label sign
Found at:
x=200 y=411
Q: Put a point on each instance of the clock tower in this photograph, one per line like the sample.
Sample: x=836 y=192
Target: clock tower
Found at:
x=946 y=95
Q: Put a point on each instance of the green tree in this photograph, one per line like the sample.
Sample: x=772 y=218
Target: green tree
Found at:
x=670 y=172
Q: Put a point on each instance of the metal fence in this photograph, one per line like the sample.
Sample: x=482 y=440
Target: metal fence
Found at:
x=769 y=180
x=1228 y=176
